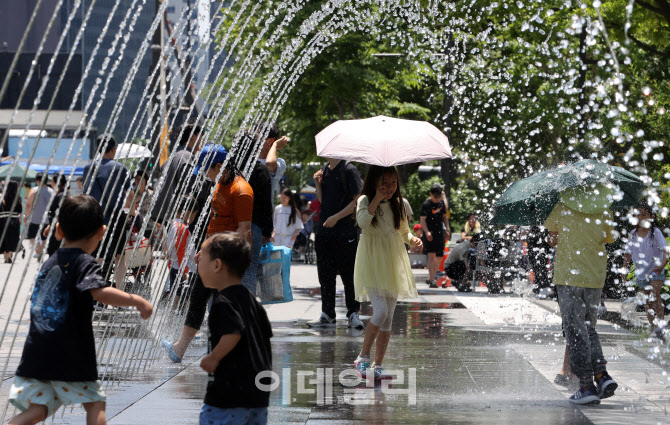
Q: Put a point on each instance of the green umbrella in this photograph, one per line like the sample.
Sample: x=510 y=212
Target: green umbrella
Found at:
x=588 y=186
x=17 y=172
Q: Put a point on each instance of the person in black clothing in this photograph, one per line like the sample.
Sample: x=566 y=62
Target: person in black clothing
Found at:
x=539 y=252
x=58 y=364
x=434 y=221
x=59 y=184
x=239 y=338
x=10 y=221
x=261 y=219
x=338 y=185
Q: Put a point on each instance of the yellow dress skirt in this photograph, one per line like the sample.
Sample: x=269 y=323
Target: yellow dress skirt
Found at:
x=382 y=265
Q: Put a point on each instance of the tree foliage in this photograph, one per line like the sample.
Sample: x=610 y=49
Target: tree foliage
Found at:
x=516 y=85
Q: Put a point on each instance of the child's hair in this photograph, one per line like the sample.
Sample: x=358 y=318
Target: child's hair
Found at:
x=652 y=215
x=80 y=217
x=375 y=172
x=188 y=204
x=233 y=250
x=291 y=202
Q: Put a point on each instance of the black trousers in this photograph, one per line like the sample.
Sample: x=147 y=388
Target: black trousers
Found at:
x=198 y=303
x=336 y=254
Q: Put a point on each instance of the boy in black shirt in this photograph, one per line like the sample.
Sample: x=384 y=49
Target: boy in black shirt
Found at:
x=240 y=335
x=433 y=216
x=58 y=365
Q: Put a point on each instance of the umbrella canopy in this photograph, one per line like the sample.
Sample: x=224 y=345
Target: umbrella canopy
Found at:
x=131 y=150
x=588 y=186
x=382 y=141
x=17 y=172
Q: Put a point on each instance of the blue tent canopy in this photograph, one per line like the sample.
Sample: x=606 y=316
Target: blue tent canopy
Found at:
x=53 y=169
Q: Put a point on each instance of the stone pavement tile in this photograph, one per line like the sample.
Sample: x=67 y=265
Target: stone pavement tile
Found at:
x=632 y=397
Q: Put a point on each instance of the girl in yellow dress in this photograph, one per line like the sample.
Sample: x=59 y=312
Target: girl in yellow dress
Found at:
x=382 y=272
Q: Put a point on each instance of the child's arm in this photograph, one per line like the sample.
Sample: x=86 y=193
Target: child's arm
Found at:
x=664 y=261
x=210 y=362
x=113 y=296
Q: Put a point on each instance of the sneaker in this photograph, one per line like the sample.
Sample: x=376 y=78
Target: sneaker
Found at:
x=659 y=334
x=606 y=386
x=170 y=351
x=362 y=364
x=324 y=321
x=432 y=284
x=380 y=374
x=355 y=321
x=589 y=396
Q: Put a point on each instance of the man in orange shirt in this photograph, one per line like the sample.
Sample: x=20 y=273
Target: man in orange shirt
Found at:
x=231 y=209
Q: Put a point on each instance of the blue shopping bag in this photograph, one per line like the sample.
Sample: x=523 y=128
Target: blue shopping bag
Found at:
x=274 y=274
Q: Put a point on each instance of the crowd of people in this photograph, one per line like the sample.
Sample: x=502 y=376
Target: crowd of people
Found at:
x=214 y=223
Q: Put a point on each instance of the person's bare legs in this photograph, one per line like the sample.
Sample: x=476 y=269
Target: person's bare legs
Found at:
x=654 y=303
x=95 y=413
x=432 y=266
x=7 y=255
x=380 y=348
x=120 y=271
x=185 y=337
x=371 y=333
x=39 y=246
x=35 y=413
x=566 y=369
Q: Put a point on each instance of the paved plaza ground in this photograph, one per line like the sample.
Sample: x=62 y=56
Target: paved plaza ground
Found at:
x=477 y=359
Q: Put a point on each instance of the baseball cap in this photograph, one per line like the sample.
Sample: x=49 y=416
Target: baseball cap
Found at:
x=210 y=155
x=417 y=227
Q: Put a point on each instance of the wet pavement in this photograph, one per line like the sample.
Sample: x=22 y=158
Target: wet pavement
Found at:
x=465 y=359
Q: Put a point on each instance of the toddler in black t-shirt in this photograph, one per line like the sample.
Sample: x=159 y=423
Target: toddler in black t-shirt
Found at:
x=240 y=335
x=58 y=364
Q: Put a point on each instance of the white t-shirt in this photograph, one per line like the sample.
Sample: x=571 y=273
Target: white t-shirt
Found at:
x=458 y=253
x=283 y=230
x=646 y=252
x=276 y=176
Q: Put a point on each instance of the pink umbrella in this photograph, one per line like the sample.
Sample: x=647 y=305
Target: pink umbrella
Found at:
x=382 y=141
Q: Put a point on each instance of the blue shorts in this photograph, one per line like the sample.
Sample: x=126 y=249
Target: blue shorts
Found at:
x=644 y=280
x=210 y=415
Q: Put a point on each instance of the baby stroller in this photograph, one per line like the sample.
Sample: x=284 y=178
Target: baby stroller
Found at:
x=139 y=258
x=304 y=243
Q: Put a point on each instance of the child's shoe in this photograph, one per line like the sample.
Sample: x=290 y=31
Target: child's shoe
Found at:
x=589 y=396
x=606 y=386
x=659 y=333
x=167 y=345
x=362 y=364
x=380 y=373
